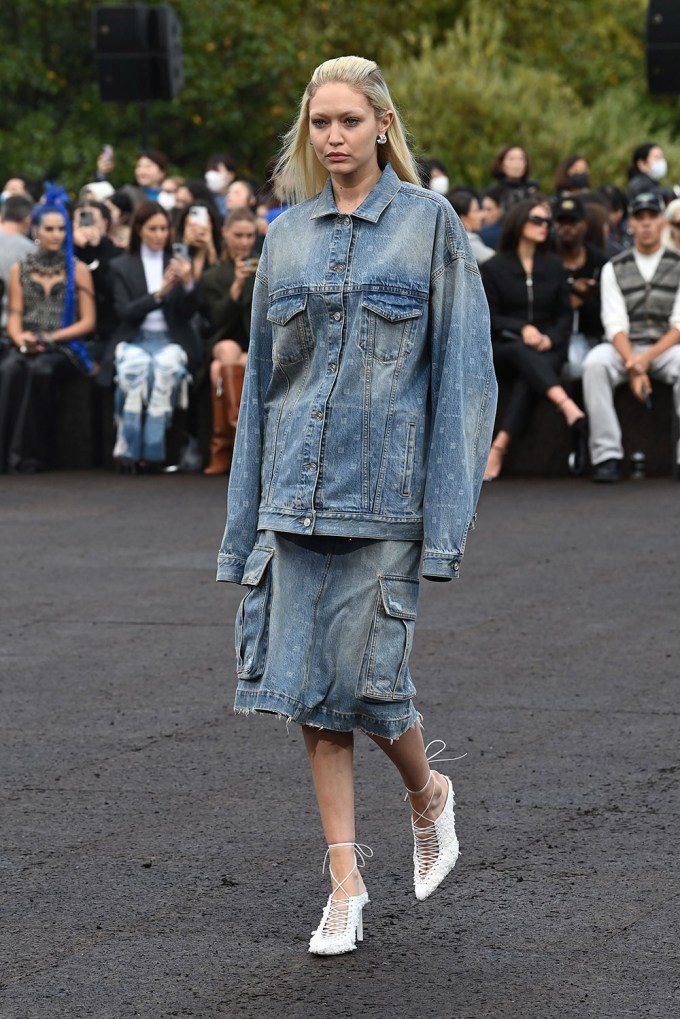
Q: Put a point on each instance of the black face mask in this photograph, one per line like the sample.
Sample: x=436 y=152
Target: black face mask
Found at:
x=579 y=180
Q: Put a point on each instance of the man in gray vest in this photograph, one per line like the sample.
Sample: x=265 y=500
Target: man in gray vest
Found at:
x=641 y=317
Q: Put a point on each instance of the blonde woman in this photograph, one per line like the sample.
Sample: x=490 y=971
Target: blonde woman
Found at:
x=363 y=433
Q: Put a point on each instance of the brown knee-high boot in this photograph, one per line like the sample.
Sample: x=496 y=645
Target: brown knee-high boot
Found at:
x=222 y=438
x=226 y=403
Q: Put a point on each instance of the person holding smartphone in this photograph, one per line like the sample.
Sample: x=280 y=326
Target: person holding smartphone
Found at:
x=198 y=229
x=226 y=300
x=156 y=345
x=93 y=246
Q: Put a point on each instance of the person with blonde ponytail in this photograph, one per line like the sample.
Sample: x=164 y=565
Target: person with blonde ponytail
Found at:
x=362 y=438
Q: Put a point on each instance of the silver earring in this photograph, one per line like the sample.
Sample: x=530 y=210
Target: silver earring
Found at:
x=382 y=138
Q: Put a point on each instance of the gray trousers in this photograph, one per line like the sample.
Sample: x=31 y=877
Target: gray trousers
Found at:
x=603 y=371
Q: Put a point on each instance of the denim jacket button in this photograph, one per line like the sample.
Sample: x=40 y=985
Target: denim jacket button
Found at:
x=306 y=521
x=337 y=316
x=332 y=366
x=338 y=267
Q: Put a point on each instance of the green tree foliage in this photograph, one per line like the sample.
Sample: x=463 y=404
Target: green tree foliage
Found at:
x=554 y=75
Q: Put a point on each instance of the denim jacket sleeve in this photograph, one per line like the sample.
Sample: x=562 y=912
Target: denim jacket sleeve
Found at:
x=463 y=393
x=243 y=497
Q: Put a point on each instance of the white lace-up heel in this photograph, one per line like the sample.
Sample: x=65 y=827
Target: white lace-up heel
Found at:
x=435 y=844
x=342 y=923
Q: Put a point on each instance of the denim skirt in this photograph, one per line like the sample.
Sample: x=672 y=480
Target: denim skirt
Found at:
x=324 y=633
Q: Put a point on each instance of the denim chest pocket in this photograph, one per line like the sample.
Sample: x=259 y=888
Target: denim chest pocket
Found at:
x=384 y=674
x=291 y=333
x=388 y=325
x=252 y=619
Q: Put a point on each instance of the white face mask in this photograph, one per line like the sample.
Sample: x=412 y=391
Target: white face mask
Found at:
x=658 y=169
x=166 y=200
x=4 y=196
x=440 y=184
x=216 y=180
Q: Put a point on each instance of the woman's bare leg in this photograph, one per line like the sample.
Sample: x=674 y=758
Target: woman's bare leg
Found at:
x=408 y=755
x=331 y=758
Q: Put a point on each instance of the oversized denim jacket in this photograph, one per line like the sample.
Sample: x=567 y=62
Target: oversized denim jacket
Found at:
x=369 y=396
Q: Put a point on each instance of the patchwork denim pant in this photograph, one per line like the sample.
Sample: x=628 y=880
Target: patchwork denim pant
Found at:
x=152 y=379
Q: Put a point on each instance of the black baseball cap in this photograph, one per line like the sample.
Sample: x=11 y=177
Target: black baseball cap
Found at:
x=646 y=201
x=569 y=207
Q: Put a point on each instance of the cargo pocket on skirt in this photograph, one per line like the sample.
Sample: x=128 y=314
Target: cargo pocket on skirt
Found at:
x=384 y=674
x=252 y=619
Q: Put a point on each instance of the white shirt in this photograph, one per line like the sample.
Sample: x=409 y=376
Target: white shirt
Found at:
x=153 y=271
x=613 y=305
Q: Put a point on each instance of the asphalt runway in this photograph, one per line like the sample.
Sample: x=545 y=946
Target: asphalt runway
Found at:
x=162 y=857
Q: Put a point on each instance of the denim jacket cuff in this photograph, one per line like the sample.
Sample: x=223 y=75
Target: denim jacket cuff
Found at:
x=230 y=568
x=441 y=565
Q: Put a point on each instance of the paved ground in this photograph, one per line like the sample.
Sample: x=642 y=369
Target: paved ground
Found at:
x=161 y=857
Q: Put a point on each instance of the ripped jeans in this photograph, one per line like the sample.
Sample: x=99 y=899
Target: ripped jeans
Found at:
x=152 y=379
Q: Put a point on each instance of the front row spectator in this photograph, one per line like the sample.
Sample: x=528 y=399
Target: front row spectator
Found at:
x=641 y=317
x=156 y=346
x=582 y=264
x=531 y=319
x=51 y=309
x=227 y=297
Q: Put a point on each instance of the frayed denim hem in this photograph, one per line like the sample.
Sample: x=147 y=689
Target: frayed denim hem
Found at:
x=316 y=718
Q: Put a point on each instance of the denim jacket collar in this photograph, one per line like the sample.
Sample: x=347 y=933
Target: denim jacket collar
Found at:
x=372 y=206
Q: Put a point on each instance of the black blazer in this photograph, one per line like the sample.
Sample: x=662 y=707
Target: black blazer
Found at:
x=509 y=303
x=133 y=302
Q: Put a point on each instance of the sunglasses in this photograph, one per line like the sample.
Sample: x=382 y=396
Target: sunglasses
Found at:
x=539 y=220
x=676 y=223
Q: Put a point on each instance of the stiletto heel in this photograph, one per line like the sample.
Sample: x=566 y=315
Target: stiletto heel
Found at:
x=342 y=921
x=435 y=844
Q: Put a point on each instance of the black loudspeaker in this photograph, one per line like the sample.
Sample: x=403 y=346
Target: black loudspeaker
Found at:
x=138 y=48
x=662 y=43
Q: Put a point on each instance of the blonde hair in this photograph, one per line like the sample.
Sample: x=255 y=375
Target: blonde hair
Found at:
x=298 y=173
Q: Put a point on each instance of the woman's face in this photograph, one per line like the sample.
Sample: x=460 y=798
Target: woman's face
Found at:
x=239 y=196
x=154 y=233
x=656 y=152
x=491 y=211
x=343 y=129
x=514 y=163
x=579 y=166
x=537 y=226
x=51 y=231
x=183 y=197
x=148 y=174
x=239 y=238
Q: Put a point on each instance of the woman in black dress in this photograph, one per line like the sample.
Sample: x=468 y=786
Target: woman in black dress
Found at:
x=531 y=319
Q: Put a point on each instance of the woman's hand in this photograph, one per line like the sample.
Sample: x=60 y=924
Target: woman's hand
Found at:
x=181 y=268
x=28 y=342
x=533 y=337
x=86 y=235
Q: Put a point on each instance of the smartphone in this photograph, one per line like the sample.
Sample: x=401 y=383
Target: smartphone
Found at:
x=107 y=151
x=252 y=262
x=86 y=218
x=180 y=250
x=199 y=214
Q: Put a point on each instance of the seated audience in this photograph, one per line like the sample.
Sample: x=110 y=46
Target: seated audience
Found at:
x=511 y=167
x=647 y=169
x=226 y=296
x=96 y=250
x=641 y=318
x=492 y=211
x=582 y=266
x=51 y=310
x=466 y=204
x=573 y=176
x=220 y=171
x=156 y=344
x=531 y=319
x=15 y=222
